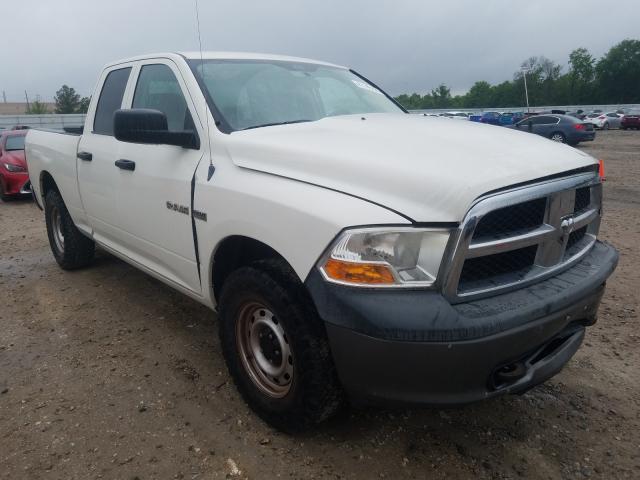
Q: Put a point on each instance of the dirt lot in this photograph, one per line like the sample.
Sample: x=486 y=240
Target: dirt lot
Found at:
x=107 y=373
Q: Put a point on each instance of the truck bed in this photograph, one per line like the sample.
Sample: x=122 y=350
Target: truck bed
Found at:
x=50 y=150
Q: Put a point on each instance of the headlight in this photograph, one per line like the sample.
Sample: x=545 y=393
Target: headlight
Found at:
x=14 y=168
x=385 y=257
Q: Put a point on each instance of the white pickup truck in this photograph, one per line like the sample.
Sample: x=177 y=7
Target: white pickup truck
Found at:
x=352 y=250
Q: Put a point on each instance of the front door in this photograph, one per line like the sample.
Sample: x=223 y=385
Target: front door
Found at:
x=154 y=198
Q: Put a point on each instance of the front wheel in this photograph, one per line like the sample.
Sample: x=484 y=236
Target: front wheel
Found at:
x=558 y=137
x=605 y=126
x=276 y=347
x=70 y=248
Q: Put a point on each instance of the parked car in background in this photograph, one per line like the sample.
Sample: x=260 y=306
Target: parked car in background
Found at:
x=509 y=118
x=492 y=118
x=458 y=115
x=631 y=120
x=559 y=128
x=605 y=121
x=14 y=178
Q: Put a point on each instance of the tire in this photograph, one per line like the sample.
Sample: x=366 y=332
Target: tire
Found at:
x=623 y=128
x=266 y=315
x=605 y=126
x=558 y=137
x=70 y=248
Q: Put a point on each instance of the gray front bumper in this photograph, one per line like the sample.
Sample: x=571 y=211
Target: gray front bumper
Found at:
x=414 y=347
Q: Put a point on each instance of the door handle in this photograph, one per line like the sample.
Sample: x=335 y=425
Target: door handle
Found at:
x=126 y=164
x=86 y=156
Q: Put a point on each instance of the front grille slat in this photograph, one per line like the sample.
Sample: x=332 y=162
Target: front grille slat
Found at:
x=583 y=199
x=515 y=263
x=516 y=241
x=515 y=218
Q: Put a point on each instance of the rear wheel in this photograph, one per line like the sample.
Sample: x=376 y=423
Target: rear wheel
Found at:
x=558 y=137
x=276 y=347
x=70 y=248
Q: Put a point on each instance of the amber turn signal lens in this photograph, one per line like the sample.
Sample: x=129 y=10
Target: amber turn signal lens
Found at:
x=363 y=273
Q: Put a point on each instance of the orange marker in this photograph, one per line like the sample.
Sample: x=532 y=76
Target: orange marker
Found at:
x=601 y=171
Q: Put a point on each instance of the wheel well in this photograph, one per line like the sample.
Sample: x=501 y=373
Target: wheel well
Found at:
x=235 y=252
x=47 y=183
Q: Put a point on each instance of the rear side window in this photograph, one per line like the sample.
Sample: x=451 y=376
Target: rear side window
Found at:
x=544 y=120
x=110 y=100
x=158 y=89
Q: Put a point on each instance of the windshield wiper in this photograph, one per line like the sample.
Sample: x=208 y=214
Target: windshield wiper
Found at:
x=289 y=122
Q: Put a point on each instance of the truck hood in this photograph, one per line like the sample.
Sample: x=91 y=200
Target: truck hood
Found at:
x=427 y=168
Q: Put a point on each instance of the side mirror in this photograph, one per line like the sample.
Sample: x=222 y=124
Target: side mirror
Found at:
x=141 y=125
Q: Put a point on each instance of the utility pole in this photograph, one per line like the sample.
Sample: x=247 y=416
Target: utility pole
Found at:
x=27 y=97
x=526 y=92
x=4 y=96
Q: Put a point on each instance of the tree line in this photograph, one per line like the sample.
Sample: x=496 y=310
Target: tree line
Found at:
x=612 y=79
x=66 y=101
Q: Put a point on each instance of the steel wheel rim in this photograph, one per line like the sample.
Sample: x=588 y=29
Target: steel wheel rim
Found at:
x=264 y=349
x=557 y=138
x=56 y=226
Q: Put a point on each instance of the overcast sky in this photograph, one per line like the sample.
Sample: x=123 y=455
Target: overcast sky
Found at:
x=404 y=45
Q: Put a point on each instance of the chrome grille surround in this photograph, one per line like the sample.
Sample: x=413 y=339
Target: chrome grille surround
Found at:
x=551 y=236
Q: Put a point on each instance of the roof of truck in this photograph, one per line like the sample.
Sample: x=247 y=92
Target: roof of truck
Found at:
x=208 y=55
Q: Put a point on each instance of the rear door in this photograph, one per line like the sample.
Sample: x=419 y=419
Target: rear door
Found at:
x=97 y=152
x=154 y=199
x=613 y=119
x=543 y=124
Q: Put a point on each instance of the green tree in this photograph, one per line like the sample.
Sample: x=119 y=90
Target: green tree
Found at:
x=581 y=75
x=67 y=100
x=479 y=95
x=84 y=105
x=507 y=94
x=441 y=96
x=618 y=73
x=37 y=108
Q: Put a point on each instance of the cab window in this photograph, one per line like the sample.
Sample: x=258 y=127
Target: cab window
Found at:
x=158 y=89
x=110 y=100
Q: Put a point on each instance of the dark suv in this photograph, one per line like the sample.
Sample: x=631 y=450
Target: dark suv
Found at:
x=560 y=128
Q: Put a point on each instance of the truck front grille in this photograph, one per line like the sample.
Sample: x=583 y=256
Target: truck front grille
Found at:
x=524 y=235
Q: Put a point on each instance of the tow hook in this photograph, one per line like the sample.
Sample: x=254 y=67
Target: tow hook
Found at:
x=509 y=374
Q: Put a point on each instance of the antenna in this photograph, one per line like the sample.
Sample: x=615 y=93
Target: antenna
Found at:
x=212 y=169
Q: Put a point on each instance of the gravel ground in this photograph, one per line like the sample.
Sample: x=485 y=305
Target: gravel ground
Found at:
x=107 y=373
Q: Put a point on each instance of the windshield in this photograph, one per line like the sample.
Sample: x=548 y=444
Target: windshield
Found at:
x=256 y=93
x=15 y=142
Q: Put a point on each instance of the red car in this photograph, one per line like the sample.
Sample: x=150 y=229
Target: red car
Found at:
x=631 y=120
x=14 y=178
